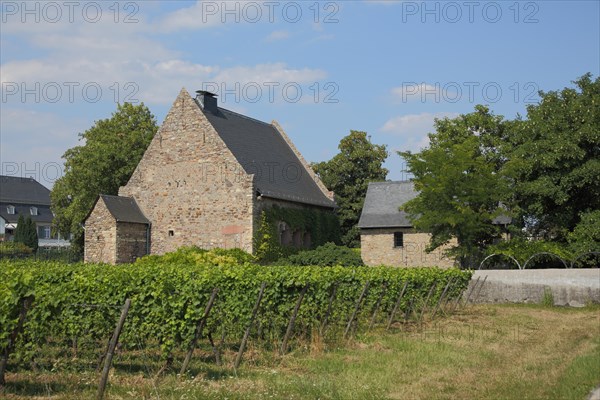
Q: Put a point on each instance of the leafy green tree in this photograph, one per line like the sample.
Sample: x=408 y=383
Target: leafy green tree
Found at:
x=554 y=159
x=460 y=184
x=348 y=174
x=585 y=238
x=112 y=149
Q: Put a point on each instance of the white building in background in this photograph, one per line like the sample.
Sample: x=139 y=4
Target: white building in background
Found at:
x=27 y=197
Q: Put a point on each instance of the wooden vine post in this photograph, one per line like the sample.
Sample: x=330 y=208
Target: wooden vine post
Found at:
x=290 y=328
x=378 y=304
x=395 y=309
x=111 y=350
x=442 y=296
x=198 y=333
x=238 y=359
x=329 y=308
x=427 y=301
x=468 y=293
x=355 y=313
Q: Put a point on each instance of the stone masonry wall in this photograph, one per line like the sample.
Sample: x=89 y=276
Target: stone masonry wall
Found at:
x=100 y=235
x=191 y=187
x=377 y=247
x=131 y=242
x=266 y=202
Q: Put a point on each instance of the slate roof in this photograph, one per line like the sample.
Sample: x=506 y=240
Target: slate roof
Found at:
x=124 y=209
x=14 y=189
x=261 y=150
x=44 y=215
x=24 y=193
x=382 y=202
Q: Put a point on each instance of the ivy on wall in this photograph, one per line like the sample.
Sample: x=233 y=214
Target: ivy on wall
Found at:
x=323 y=227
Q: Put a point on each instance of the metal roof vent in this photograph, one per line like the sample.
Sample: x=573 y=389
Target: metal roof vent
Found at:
x=207 y=100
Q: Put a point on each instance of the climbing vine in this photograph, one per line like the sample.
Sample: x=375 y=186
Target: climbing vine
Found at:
x=323 y=227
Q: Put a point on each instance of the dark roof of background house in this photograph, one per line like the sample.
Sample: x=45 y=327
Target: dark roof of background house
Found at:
x=382 y=202
x=14 y=189
x=124 y=209
x=44 y=215
x=260 y=149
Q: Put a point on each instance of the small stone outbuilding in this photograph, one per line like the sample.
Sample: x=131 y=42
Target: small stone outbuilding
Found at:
x=116 y=231
x=387 y=236
x=204 y=181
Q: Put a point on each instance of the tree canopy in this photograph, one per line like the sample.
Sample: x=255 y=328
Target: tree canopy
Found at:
x=348 y=174
x=459 y=182
x=112 y=149
x=553 y=157
x=542 y=171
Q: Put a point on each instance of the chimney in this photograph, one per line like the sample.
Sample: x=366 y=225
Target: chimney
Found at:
x=207 y=100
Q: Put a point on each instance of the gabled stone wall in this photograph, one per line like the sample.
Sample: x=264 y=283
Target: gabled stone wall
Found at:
x=377 y=248
x=191 y=187
x=100 y=235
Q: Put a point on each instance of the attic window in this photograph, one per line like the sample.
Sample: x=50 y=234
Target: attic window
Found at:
x=171 y=232
x=33 y=210
x=398 y=239
x=10 y=209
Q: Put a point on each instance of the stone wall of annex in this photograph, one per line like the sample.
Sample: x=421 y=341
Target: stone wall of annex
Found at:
x=100 y=235
x=377 y=247
x=132 y=241
x=191 y=187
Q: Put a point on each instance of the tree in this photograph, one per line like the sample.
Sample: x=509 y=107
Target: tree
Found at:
x=348 y=174
x=113 y=147
x=30 y=235
x=26 y=232
x=554 y=159
x=19 y=236
x=460 y=184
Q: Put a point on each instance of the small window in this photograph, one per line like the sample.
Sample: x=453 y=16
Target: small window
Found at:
x=171 y=233
x=33 y=210
x=398 y=239
x=47 y=232
x=10 y=209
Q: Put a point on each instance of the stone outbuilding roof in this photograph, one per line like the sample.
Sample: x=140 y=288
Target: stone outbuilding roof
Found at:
x=124 y=209
x=262 y=149
x=382 y=202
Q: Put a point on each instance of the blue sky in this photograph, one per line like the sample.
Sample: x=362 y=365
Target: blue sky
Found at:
x=319 y=68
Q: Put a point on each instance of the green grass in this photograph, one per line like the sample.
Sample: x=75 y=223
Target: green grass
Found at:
x=481 y=352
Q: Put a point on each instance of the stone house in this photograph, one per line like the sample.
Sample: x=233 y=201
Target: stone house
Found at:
x=387 y=236
x=204 y=180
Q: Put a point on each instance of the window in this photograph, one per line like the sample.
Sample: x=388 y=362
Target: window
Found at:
x=171 y=233
x=43 y=232
x=10 y=209
x=398 y=239
x=33 y=210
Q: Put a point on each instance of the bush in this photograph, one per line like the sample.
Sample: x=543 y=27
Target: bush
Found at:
x=522 y=250
x=192 y=255
x=326 y=255
x=14 y=248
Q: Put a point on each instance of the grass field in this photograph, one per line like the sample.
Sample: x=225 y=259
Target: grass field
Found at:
x=480 y=352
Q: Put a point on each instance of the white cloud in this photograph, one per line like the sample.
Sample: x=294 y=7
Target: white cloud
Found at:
x=278 y=35
x=413 y=128
x=33 y=142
